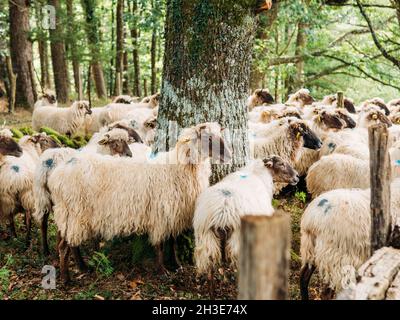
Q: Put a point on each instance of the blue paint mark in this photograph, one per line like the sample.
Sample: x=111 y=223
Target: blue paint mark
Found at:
x=226 y=193
x=327 y=209
x=153 y=155
x=322 y=202
x=243 y=176
x=254 y=135
x=49 y=163
x=15 y=168
x=71 y=161
x=332 y=146
x=397 y=162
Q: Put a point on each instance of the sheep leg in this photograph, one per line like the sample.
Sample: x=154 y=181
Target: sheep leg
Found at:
x=43 y=229
x=305 y=276
x=177 y=260
x=79 y=260
x=327 y=293
x=58 y=241
x=211 y=284
x=12 y=226
x=28 y=224
x=64 y=252
x=160 y=259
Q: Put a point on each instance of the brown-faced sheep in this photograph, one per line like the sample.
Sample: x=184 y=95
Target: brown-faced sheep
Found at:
x=258 y=98
x=301 y=98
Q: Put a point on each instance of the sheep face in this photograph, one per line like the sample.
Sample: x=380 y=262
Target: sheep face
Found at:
x=375 y=116
x=267 y=116
x=84 y=107
x=133 y=135
x=282 y=171
x=349 y=121
x=150 y=123
x=379 y=103
x=328 y=120
x=262 y=96
x=395 y=118
x=349 y=106
x=301 y=98
x=44 y=141
x=116 y=145
x=8 y=147
x=51 y=98
x=299 y=129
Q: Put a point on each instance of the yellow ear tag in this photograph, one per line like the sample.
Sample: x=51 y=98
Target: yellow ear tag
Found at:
x=298 y=135
x=375 y=117
x=319 y=118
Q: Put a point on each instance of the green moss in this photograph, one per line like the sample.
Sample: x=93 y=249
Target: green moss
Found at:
x=17 y=133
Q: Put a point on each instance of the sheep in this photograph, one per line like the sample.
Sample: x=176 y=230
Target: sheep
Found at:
x=332 y=101
x=259 y=97
x=110 y=209
x=8 y=147
x=378 y=102
x=338 y=171
x=125 y=99
x=301 y=98
x=63 y=120
x=6 y=133
x=92 y=123
x=113 y=142
x=216 y=219
x=47 y=99
x=393 y=104
x=284 y=137
x=372 y=115
x=151 y=102
x=335 y=236
x=115 y=112
x=16 y=176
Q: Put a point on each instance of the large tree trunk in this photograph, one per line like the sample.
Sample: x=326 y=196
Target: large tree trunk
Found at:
x=21 y=52
x=135 y=40
x=92 y=31
x=74 y=55
x=207 y=60
x=58 y=57
x=119 y=61
x=43 y=48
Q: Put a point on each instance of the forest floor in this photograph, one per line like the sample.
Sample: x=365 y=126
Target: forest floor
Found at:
x=116 y=272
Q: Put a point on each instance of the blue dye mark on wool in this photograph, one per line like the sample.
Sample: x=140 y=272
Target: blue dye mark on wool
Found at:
x=15 y=168
x=322 y=202
x=153 y=155
x=226 y=193
x=49 y=163
x=332 y=146
x=243 y=176
x=397 y=162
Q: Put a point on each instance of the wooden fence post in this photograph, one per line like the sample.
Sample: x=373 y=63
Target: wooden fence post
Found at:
x=264 y=257
x=380 y=171
x=340 y=99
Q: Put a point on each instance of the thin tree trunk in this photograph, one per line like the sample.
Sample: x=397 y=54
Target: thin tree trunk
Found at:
x=74 y=55
x=153 y=51
x=21 y=51
x=58 y=56
x=135 y=40
x=145 y=92
x=43 y=48
x=112 y=60
x=92 y=31
x=119 y=61
x=126 y=86
x=12 y=77
x=301 y=43
x=207 y=79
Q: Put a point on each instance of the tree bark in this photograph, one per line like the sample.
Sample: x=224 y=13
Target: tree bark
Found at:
x=43 y=47
x=135 y=40
x=153 y=50
x=58 y=56
x=119 y=60
x=301 y=42
x=74 y=55
x=126 y=81
x=207 y=61
x=92 y=32
x=21 y=51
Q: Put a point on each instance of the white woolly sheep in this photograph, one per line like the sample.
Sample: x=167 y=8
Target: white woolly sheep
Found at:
x=332 y=101
x=378 y=102
x=110 y=209
x=301 y=98
x=372 y=115
x=335 y=236
x=63 y=120
x=216 y=220
x=16 y=176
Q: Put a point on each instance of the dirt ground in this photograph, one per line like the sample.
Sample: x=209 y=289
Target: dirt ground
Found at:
x=116 y=273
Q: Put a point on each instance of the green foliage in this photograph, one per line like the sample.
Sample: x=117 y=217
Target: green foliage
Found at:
x=101 y=264
x=301 y=196
x=5 y=274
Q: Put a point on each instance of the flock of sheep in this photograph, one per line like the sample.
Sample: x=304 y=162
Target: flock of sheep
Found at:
x=116 y=185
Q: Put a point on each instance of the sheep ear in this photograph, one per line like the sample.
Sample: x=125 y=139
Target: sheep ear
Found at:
x=269 y=163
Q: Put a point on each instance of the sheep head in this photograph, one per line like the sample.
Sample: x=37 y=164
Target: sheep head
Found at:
x=376 y=116
x=328 y=120
x=262 y=96
x=133 y=135
x=44 y=141
x=115 y=142
x=204 y=141
x=301 y=98
x=395 y=118
x=50 y=97
x=124 y=99
x=150 y=123
x=8 y=147
x=282 y=171
x=83 y=106
x=379 y=103
x=344 y=116
x=299 y=129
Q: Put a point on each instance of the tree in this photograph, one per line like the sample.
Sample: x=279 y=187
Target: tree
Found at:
x=119 y=61
x=42 y=37
x=207 y=60
x=92 y=32
x=21 y=52
x=153 y=52
x=58 y=56
x=135 y=52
